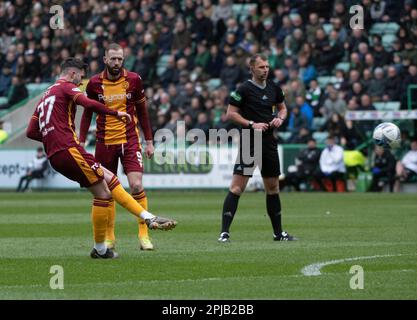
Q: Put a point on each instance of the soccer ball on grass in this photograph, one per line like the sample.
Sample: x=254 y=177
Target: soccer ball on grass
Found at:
x=387 y=135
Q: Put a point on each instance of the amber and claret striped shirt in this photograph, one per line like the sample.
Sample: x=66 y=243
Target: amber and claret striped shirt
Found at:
x=52 y=122
x=124 y=94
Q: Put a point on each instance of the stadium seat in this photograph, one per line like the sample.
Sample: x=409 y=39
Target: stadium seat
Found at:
x=318 y=122
x=284 y=135
x=384 y=28
x=328 y=27
x=3 y=100
x=162 y=64
x=320 y=137
x=213 y=83
x=387 y=106
x=388 y=40
x=36 y=88
x=241 y=11
x=324 y=80
x=345 y=66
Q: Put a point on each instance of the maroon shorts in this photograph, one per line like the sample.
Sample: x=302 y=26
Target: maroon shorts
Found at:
x=78 y=165
x=130 y=155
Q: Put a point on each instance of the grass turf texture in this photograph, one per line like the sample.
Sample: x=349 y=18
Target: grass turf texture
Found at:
x=39 y=230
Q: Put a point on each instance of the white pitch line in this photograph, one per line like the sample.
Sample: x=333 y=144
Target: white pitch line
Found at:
x=314 y=268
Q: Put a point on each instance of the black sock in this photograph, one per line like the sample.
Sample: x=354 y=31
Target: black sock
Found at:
x=273 y=206
x=229 y=210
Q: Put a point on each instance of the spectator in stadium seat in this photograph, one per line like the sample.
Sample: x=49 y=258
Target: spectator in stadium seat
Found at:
x=356 y=63
x=338 y=26
x=285 y=30
x=382 y=57
x=201 y=26
x=393 y=84
x=223 y=122
x=356 y=90
x=323 y=57
x=307 y=71
x=406 y=169
x=215 y=63
x=5 y=80
x=313 y=96
x=194 y=108
x=171 y=125
x=31 y=68
x=296 y=121
x=409 y=78
x=332 y=166
x=307 y=164
x=312 y=26
x=305 y=109
x=295 y=89
x=409 y=52
x=357 y=36
x=171 y=73
x=17 y=92
x=376 y=87
x=231 y=74
x=203 y=123
x=301 y=136
x=366 y=78
x=182 y=37
x=165 y=39
x=352 y=134
x=35 y=170
x=333 y=104
x=383 y=169
x=335 y=126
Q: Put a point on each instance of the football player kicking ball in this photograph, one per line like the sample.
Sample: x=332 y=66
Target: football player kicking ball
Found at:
x=121 y=90
x=52 y=123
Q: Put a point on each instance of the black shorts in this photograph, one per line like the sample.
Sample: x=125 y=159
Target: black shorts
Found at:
x=269 y=165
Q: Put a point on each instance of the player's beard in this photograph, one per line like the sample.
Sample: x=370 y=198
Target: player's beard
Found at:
x=113 y=71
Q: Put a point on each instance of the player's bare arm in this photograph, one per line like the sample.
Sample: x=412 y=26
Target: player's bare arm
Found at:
x=143 y=116
x=233 y=114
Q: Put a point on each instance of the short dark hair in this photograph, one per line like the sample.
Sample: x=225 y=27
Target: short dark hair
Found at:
x=113 y=46
x=256 y=56
x=73 y=63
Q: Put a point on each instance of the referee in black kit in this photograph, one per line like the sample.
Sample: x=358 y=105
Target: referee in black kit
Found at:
x=257 y=104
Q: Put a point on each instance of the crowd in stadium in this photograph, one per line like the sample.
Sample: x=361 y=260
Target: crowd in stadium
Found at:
x=192 y=54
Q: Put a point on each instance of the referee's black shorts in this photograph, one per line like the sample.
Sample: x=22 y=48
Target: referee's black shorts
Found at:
x=270 y=161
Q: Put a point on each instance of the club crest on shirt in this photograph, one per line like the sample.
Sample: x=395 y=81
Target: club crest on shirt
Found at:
x=125 y=85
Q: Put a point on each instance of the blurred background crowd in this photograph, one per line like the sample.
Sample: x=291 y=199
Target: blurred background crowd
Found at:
x=191 y=54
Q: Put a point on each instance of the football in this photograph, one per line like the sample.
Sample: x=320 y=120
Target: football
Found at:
x=387 y=135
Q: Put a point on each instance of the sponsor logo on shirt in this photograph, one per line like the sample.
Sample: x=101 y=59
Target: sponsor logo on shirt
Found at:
x=115 y=97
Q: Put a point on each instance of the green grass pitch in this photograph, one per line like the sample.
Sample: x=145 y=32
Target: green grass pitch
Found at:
x=375 y=231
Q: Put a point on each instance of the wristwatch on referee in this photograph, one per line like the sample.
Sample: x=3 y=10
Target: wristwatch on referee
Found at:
x=251 y=124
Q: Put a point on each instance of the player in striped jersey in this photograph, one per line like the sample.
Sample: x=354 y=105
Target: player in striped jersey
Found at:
x=121 y=90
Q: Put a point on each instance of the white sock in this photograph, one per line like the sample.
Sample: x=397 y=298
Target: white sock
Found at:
x=100 y=247
x=146 y=215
